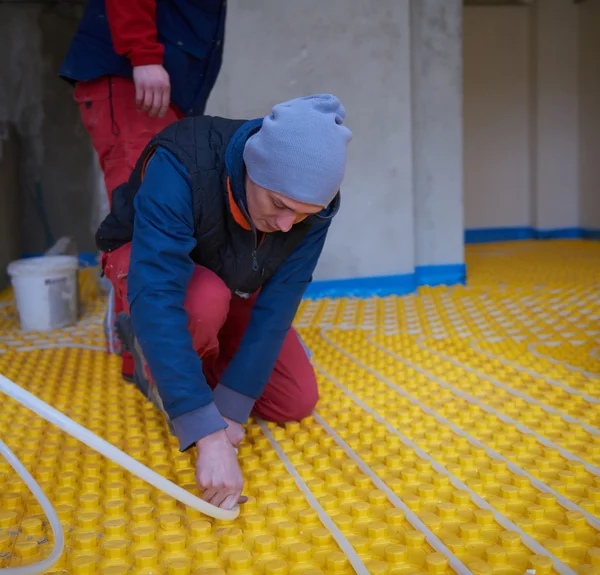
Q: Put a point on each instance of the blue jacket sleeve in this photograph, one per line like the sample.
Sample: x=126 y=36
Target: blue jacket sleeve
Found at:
x=159 y=273
x=272 y=315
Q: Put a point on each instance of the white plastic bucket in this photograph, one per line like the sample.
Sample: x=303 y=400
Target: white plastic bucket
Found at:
x=46 y=291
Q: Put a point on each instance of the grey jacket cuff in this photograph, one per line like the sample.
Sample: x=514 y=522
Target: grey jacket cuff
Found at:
x=194 y=425
x=233 y=404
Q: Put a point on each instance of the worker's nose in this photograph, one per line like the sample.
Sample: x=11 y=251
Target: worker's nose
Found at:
x=286 y=221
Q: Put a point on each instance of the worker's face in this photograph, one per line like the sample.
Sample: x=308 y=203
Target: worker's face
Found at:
x=272 y=212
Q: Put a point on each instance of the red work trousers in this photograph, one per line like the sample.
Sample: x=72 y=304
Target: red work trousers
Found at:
x=118 y=129
x=119 y=132
x=217 y=321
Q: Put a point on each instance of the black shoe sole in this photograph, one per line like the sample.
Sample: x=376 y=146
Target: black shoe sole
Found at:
x=126 y=336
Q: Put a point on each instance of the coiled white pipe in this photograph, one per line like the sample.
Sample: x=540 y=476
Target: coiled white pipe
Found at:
x=457 y=565
x=502 y=519
x=59 y=536
x=531 y=348
x=353 y=558
x=549 y=381
x=111 y=452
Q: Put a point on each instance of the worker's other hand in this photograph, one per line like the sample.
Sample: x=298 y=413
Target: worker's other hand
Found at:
x=218 y=472
x=235 y=431
x=152 y=89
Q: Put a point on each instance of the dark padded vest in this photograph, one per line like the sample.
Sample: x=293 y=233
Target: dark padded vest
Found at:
x=223 y=246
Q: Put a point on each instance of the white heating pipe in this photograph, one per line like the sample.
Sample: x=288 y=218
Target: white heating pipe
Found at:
x=101 y=446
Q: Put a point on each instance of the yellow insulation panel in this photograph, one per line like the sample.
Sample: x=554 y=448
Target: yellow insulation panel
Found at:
x=457 y=431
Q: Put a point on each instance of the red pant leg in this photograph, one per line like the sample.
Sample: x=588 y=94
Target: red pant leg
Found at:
x=207 y=300
x=119 y=133
x=207 y=303
x=118 y=129
x=292 y=392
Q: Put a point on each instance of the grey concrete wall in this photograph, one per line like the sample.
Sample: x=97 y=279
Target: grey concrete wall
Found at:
x=56 y=151
x=556 y=114
x=497 y=83
x=360 y=51
x=402 y=93
x=436 y=51
x=67 y=176
x=521 y=108
x=589 y=108
x=10 y=233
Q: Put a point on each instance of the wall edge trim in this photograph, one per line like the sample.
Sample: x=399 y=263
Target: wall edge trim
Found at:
x=516 y=233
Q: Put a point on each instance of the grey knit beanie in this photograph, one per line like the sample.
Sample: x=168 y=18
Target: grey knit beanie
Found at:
x=300 y=150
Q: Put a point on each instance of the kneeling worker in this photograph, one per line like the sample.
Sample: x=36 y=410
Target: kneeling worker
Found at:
x=210 y=245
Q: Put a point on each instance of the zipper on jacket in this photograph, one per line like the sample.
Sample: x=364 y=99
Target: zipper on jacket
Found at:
x=257 y=245
x=254 y=237
x=242 y=207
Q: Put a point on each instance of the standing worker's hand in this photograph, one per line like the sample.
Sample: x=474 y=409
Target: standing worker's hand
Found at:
x=152 y=89
x=235 y=431
x=218 y=473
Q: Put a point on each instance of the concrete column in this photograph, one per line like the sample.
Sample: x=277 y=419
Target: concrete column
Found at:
x=436 y=64
x=497 y=117
x=555 y=135
x=589 y=117
x=10 y=200
x=360 y=51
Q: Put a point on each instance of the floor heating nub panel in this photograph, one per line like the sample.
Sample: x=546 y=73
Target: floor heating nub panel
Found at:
x=457 y=432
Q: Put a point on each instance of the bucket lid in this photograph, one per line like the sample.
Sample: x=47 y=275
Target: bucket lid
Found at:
x=43 y=265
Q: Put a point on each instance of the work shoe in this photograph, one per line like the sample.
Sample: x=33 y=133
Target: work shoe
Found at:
x=141 y=373
x=113 y=345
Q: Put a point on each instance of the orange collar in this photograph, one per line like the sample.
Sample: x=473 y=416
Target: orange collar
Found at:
x=235 y=210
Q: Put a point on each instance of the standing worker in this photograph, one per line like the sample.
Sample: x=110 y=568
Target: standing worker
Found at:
x=137 y=66
x=210 y=246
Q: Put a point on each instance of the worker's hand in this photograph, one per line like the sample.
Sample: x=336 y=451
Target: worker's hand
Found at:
x=218 y=473
x=235 y=431
x=152 y=89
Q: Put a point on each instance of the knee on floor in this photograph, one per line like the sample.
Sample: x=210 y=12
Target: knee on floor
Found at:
x=305 y=408
x=303 y=404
